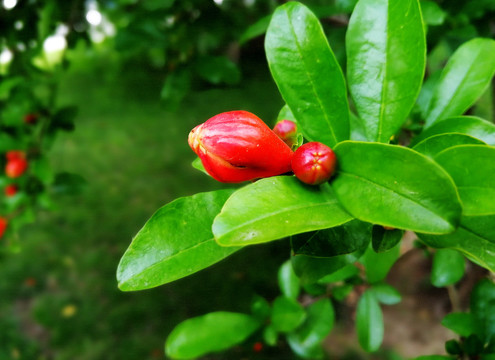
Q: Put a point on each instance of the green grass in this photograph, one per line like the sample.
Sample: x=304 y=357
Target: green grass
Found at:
x=59 y=296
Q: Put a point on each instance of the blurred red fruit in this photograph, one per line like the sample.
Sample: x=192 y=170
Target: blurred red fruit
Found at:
x=257 y=346
x=16 y=167
x=15 y=154
x=314 y=163
x=3 y=226
x=10 y=190
x=238 y=146
x=287 y=131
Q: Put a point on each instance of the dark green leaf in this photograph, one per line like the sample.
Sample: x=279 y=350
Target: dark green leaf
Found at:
x=465 y=77
x=209 y=333
x=386 y=294
x=42 y=169
x=448 y=267
x=287 y=314
x=274 y=208
x=307 y=74
x=68 y=183
x=396 y=187
x=260 y=308
x=175 y=242
x=378 y=265
x=64 y=119
x=340 y=275
x=385 y=239
x=288 y=281
x=369 y=322
x=176 y=87
x=306 y=340
x=437 y=143
x=386 y=56
x=469 y=125
x=339 y=240
x=483 y=308
x=462 y=324
x=218 y=70
x=255 y=30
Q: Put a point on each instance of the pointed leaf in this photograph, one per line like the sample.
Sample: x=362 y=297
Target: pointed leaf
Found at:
x=287 y=314
x=385 y=239
x=395 y=186
x=274 y=208
x=386 y=294
x=469 y=125
x=369 y=322
x=463 y=324
x=308 y=74
x=288 y=281
x=448 y=267
x=209 y=333
x=386 y=56
x=437 y=143
x=464 y=79
x=175 y=242
x=378 y=265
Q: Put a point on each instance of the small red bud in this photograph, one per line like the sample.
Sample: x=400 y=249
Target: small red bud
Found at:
x=287 y=131
x=3 y=226
x=314 y=163
x=238 y=146
x=31 y=118
x=16 y=167
x=10 y=190
x=257 y=346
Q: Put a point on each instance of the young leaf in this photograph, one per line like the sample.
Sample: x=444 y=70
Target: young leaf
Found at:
x=469 y=125
x=465 y=77
x=386 y=294
x=274 y=208
x=288 y=280
x=437 y=143
x=385 y=239
x=339 y=240
x=386 y=56
x=395 y=186
x=175 y=242
x=306 y=340
x=369 y=322
x=378 y=265
x=287 y=314
x=209 y=333
x=307 y=74
x=448 y=267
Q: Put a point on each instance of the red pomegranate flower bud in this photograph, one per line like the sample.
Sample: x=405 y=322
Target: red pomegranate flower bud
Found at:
x=16 y=167
x=287 y=131
x=15 y=154
x=10 y=190
x=238 y=146
x=314 y=163
x=3 y=225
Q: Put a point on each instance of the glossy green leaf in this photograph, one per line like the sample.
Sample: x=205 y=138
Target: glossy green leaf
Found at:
x=482 y=304
x=385 y=239
x=212 y=332
x=386 y=294
x=437 y=143
x=396 y=187
x=369 y=322
x=386 y=56
x=175 y=242
x=288 y=281
x=274 y=208
x=378 y=265
x=465 y=77
x=306 y=340
x=307 y=74
x=463 y=324
x=469 y=125
x=287 y=314
x=339 y=240
x=448 y=267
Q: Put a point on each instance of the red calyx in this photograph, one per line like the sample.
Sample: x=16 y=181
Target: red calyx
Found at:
x=238 y=146
x=3 y=225
x=16 y=167
x=314 y=163
x=287 y=131
x=10 y=190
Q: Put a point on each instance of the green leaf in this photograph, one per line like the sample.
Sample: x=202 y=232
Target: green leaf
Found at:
x=448 y=267
x=212 y=332
x=198 y=165
x=386 y=294
x=68 y=183
x=175 y=242
x=218 y=70
x=378 y=265
x=482 y=305
x=433 y=14
x=255 y=30
x=437 y=143
x=306 y=340
x=464 y=79
x=288 y=281
x=462 y=324
x=274 y=208
x=64 y=119
x=369 y=322
x=307 y=74
x=396 y=187
x=339 y=240
x=260 y=308
x=42 y=169
x=469 y=125
x=287 y=314
x=385 y=239
x=386 y=57
x=286 y=114
x=176 y=87
x=340 y=275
